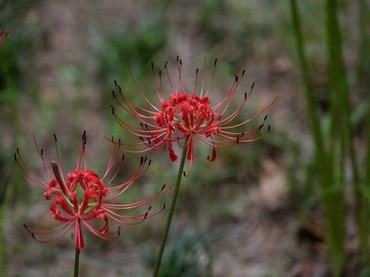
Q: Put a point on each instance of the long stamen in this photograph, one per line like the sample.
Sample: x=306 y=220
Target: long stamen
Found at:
x=212 y=78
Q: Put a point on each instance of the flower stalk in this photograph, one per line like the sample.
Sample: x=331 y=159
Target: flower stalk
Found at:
x=171 y=211
x=77 y=263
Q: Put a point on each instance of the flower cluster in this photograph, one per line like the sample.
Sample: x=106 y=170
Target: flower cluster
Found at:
x=188 y=114
x=82 y=198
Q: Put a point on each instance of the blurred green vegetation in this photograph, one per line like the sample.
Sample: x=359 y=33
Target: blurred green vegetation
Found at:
x=336 y=154
x=188 y=254
x=15 y=50
x=253 y=34
x=17 y=68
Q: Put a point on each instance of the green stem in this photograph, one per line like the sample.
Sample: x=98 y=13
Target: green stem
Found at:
x=172 y=209
x=340 y=136
x=332 y=199
x=77 y=262
x=310 y=101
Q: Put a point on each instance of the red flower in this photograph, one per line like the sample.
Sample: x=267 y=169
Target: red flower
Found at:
x=189 y=115
x=83 y=199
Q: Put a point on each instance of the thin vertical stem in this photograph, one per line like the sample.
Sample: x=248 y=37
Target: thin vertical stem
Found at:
x=340 y=134
x=310 y=101
x=332 y=199
x=366 y=208
x=77 y=262
x=172 y=209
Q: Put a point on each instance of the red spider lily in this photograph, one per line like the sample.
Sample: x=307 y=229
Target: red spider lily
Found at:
x=82 y=198
x=187 y=115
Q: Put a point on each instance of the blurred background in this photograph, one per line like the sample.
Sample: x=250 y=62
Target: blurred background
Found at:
x=262 y=209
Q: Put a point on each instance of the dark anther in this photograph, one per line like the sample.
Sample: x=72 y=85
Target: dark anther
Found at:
x=145 y=159
x=184 y=174
x=145 y=215
x=25 y=226
x=119 y=141
x=160 y=73
x=245 y=96
x=18 y=150
x=150 y=161
x=236 y=78
x=164 y=206
x=149 y=208
x=261 y=126
x=119 y=231
x=141 y=160
x=163 y=187
x=264 y=119
x=177 y=58
x=243 y=72
x=55 y=137
x=15 y=156
x=113 y=94
x=238 y=137
x=252 y=85
x=123 y=157
x=165 y=64
x=180 y=62
x=33 y=235
x=112 y=109
x=197 y=71
x=215 y=62
x=152 y=64
x=268 y=128
x=117 y=85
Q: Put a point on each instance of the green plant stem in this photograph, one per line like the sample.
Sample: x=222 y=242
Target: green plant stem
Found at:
x=77 y=262
x=172 y=209
x=342 y=127
x=310 y=101
x=340 y=134
x=366 y=185
x=332 y=187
